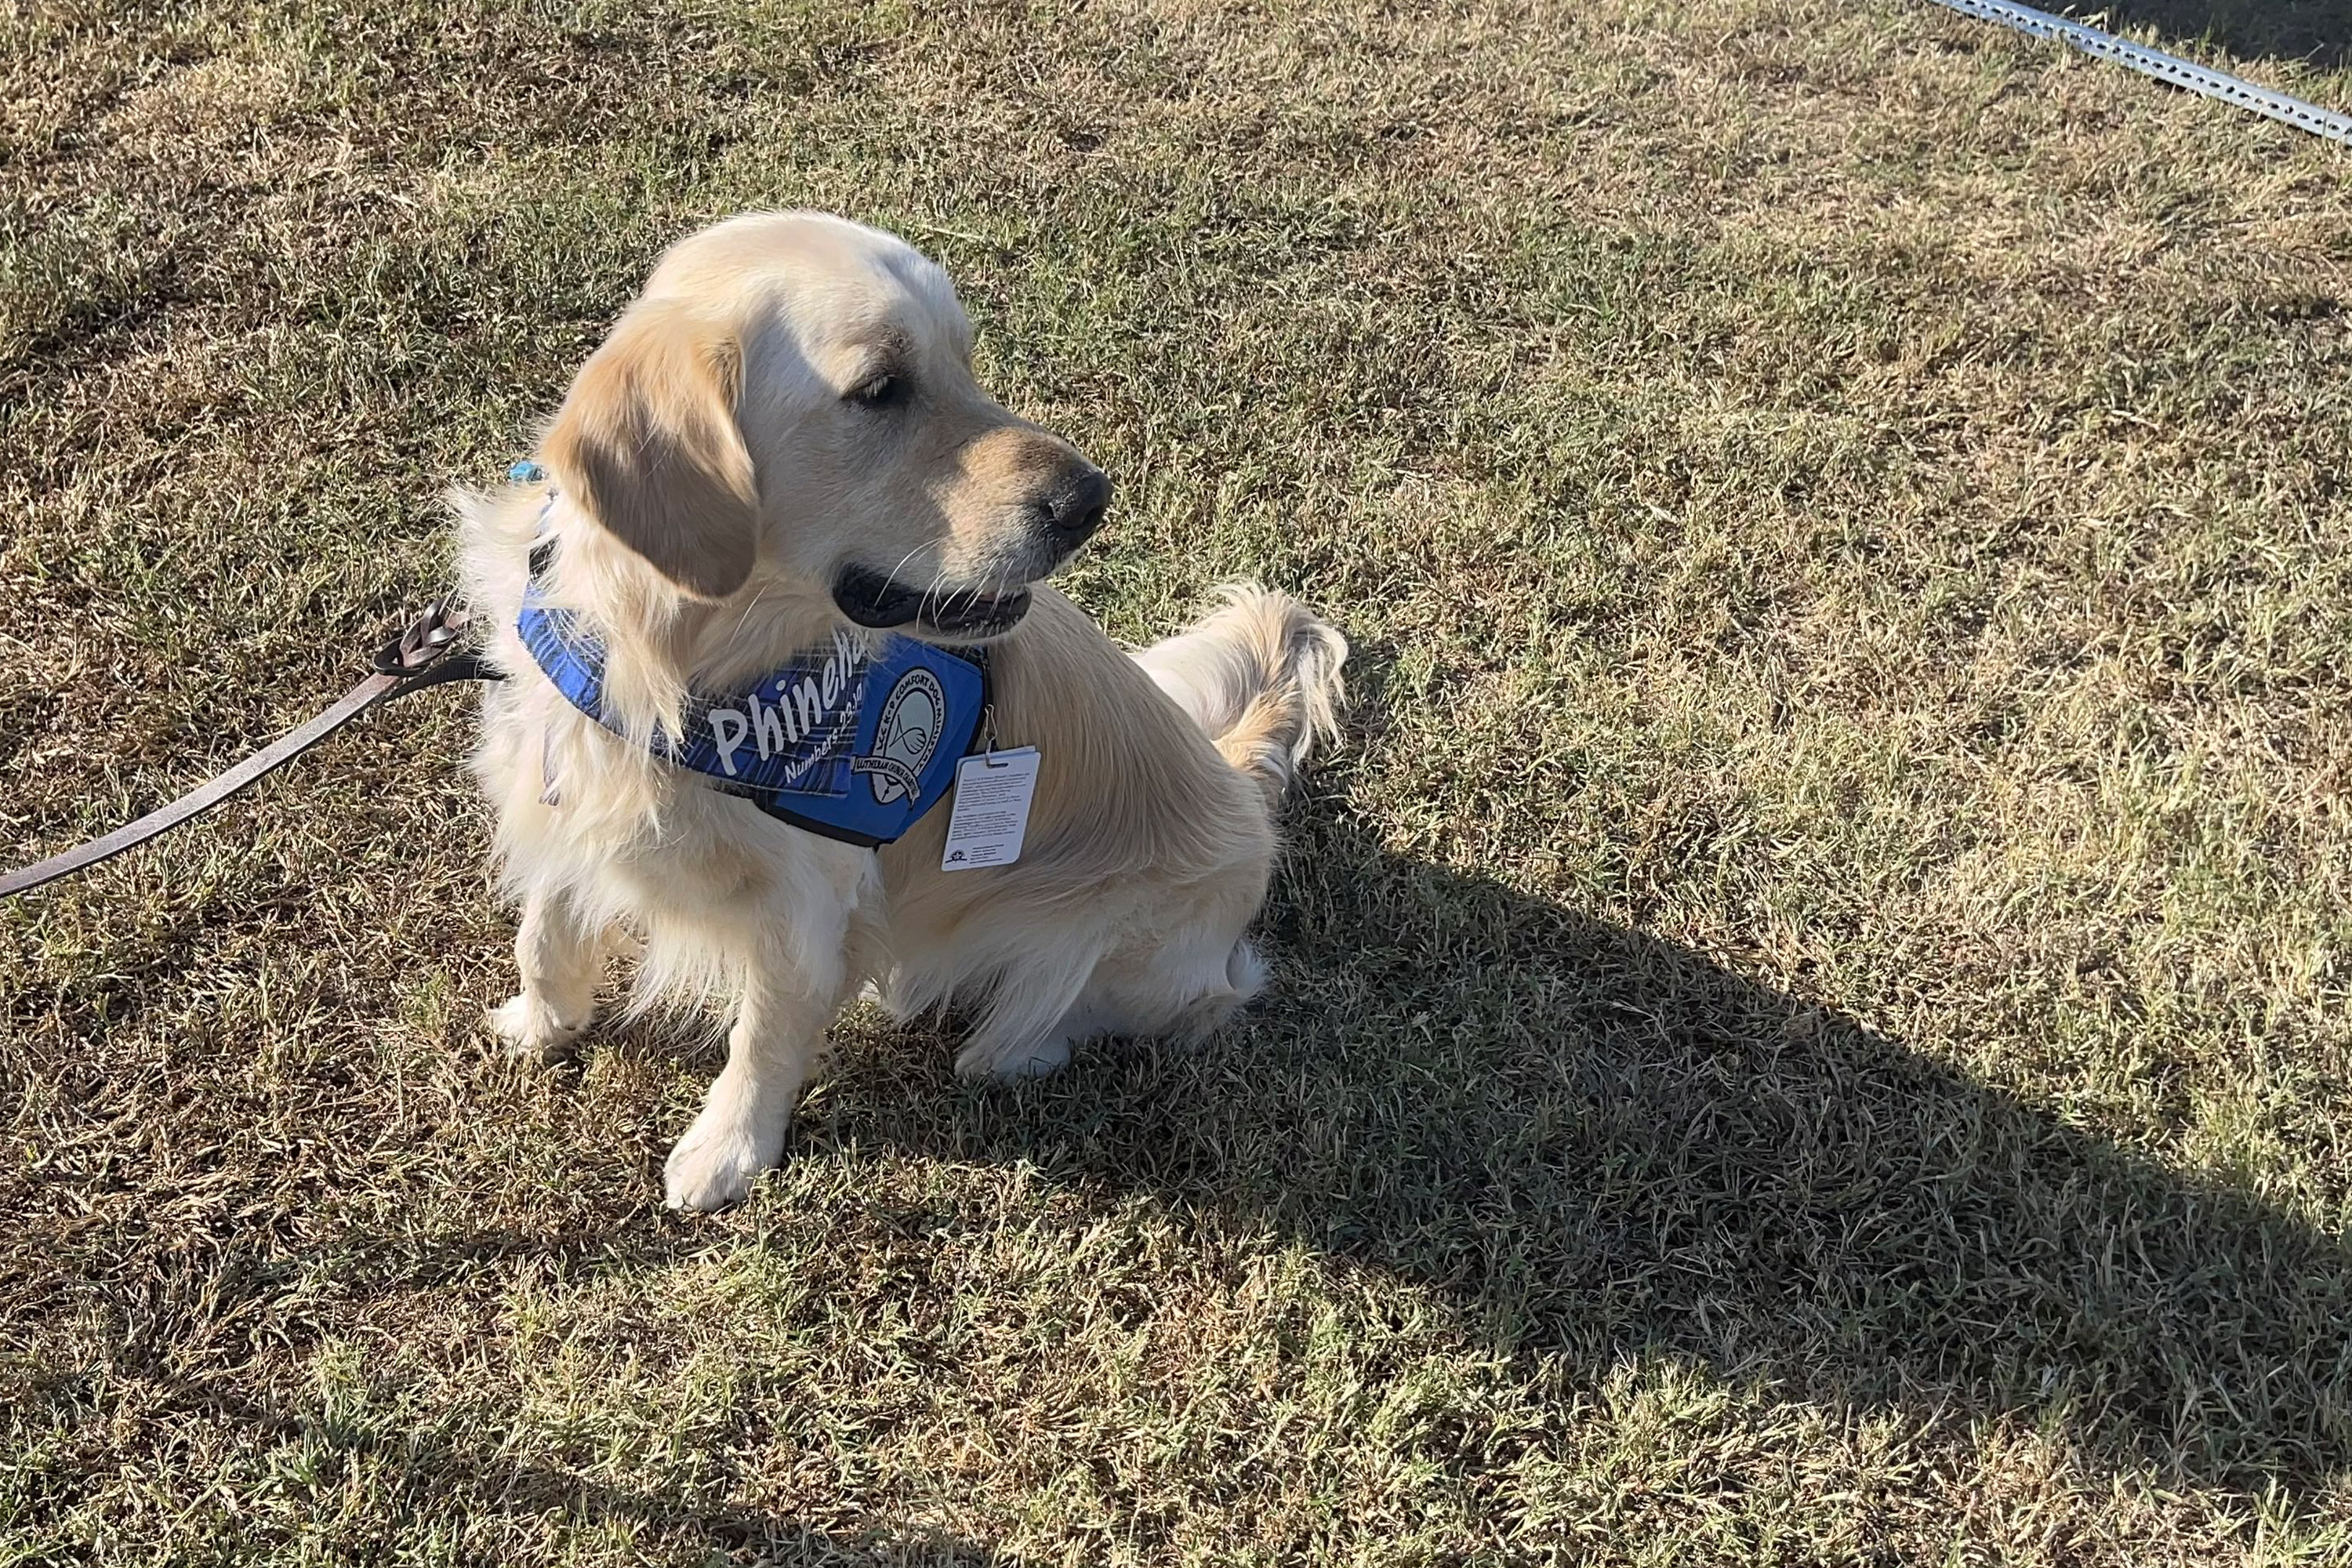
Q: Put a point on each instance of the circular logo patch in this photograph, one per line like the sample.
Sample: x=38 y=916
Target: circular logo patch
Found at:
x=908 y=734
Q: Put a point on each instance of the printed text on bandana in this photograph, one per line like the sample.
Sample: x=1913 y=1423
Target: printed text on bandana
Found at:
x=798 y=704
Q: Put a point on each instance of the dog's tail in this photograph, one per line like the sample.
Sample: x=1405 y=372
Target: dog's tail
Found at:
x=1261 y=675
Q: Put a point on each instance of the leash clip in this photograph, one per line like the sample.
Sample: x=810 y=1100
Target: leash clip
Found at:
x=422 y=642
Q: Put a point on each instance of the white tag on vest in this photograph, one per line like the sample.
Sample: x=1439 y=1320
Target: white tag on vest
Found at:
x=991 y=809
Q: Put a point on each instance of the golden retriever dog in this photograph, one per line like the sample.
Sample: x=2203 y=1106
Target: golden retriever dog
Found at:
x=781 y=447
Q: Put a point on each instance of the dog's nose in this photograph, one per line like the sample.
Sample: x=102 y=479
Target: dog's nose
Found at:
x=1077 y=506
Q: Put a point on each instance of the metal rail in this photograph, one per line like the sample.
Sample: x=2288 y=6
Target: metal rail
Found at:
x=2163 y=66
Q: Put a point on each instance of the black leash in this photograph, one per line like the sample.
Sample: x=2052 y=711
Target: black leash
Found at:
x=424 y=653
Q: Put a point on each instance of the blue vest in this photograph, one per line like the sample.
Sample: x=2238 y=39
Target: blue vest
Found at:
x=853 y=742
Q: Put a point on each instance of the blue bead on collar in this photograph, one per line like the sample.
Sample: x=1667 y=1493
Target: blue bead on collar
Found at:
x=851 y=742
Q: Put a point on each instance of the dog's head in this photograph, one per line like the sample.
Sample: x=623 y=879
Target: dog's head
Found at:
x=792 y=397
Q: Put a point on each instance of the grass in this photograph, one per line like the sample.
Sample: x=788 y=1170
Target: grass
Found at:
x=1810 y=1021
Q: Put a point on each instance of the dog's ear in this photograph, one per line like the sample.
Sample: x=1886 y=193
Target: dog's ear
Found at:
x=647 y=444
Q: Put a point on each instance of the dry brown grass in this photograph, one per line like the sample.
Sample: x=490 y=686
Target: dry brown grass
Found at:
x=1812 y=1020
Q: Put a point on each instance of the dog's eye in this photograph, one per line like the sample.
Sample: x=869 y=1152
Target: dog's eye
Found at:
x=883 y=391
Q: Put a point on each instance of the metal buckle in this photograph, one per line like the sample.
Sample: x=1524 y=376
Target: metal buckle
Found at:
x=421 y=643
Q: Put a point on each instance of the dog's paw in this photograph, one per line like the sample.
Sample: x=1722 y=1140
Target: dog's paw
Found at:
x=1011 y=1064
x=715 y=1163
x=531 y=1030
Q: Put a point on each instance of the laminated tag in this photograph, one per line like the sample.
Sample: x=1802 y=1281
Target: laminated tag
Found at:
x=991 y=809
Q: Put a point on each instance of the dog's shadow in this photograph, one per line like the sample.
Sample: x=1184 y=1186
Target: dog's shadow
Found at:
x=1596 y=1143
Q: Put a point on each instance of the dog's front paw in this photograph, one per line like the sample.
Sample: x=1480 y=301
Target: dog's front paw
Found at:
x=716 y=1163
x=531 y=1030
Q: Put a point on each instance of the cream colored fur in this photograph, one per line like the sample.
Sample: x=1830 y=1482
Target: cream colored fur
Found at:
x=712 y=471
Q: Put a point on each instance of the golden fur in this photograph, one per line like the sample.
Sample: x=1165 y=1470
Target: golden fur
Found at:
x=790 y=399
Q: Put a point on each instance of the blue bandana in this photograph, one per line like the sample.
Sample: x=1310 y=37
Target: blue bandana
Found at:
x=851 y=743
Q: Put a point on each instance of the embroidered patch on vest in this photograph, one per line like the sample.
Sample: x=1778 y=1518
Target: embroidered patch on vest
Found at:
x=908 y=734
